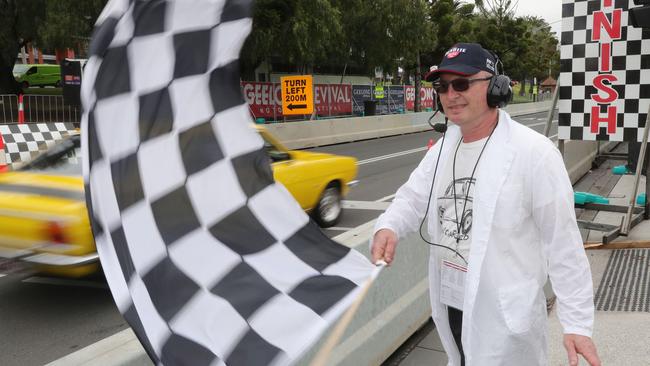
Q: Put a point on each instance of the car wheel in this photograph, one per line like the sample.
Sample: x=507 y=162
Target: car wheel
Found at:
x=329 y=209
x=24 y=85
x=57 y=84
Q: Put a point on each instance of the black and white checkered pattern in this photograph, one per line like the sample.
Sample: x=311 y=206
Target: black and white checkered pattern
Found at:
x=209 y=260
x=630 y=63
x=24 y=141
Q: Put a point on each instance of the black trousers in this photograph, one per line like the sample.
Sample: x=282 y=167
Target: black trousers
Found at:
x=456 y=325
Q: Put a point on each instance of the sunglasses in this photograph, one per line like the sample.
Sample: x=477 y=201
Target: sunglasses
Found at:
x=460 y=84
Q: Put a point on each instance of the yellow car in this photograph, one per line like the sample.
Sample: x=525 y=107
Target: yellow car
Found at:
x=317 y=181
x=44 y=221
x=43 y=216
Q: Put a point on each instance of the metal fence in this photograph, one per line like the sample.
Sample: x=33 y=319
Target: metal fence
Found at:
x=38 y=109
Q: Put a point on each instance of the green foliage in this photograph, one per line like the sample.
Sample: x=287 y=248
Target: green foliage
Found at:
x=366 y=34
x=363 y=34
x=453 y=21
x=67 y=22
x=299 y=32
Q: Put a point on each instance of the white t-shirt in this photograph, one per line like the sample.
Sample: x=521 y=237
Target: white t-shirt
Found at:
x=456 y=222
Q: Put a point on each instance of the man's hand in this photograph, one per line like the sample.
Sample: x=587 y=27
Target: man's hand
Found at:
x=383 y=246
x=576 y=344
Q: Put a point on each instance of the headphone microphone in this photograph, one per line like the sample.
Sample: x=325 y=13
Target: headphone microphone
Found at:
x=438 y=127
x=441 y=127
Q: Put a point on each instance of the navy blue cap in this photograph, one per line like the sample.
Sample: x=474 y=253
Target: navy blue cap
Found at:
x=464 y=59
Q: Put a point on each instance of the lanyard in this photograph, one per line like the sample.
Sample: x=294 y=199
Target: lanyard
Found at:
x=471 y=179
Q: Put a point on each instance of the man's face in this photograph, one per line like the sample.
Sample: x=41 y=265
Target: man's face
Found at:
x=465 y=107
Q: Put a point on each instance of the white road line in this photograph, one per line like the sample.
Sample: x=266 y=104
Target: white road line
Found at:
x=365 y=205
x=412 y=151
x=2 y=274
x=338 y=228
x=65 y=282
x=540 y=124
x=389 y=156
x=386 y=198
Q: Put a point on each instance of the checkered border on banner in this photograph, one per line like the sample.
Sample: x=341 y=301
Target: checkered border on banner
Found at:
x=24 y=141
x=579 y=65
x=189 y=223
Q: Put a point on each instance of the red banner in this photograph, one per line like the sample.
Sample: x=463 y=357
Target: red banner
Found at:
x=265 y=99
x=427 y=97
x=333 y=99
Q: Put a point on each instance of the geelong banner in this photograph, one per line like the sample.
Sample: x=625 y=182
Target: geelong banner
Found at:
x=265 y=99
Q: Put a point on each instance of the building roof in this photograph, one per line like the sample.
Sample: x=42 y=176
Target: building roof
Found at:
x=549 y=82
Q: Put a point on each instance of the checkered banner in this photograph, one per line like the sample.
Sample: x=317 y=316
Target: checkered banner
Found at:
x=604 y=72
x=25 y=141
x=209 y=260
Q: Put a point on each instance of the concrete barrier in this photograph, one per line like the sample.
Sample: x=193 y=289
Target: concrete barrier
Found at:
x=299 y=135
x=579 y=155
x=394 y=308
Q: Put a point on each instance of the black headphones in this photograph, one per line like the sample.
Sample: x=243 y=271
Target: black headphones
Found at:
x=499 y=92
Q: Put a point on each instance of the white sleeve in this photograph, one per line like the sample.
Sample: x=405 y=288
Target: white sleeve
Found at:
x=569 y=271
x=406 y=211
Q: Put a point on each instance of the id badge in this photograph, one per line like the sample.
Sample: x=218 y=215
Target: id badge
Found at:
x=452 y=284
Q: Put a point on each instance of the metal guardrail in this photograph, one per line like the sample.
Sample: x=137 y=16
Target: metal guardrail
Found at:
x=38 y=109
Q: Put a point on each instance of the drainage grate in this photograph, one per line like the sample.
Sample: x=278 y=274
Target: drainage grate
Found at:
x=626 y=284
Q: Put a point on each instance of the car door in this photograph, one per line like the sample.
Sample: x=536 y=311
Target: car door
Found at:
x=290 y=173
x=31 y=76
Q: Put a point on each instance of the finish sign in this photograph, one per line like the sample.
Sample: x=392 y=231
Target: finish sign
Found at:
x=297 y=94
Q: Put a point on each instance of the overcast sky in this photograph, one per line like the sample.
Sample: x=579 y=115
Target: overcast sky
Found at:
x=550 y=10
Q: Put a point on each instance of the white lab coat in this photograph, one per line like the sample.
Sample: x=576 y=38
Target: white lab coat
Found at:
x=524 y=228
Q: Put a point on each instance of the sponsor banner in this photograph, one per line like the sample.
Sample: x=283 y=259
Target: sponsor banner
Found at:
x=360 y=93
x=265 y=99
x=427 y=97
x=393 y=101
x=333 y=99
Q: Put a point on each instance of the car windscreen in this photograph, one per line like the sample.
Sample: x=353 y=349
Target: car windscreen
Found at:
x=63 y=158
x=19 y=69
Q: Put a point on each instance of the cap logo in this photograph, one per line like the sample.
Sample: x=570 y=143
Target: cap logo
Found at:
x=489 y=64
x=455 y=51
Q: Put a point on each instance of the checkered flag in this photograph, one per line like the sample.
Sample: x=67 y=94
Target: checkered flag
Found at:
x=209 y=260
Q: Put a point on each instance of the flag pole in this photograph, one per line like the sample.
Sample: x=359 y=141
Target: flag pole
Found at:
x=333 y=339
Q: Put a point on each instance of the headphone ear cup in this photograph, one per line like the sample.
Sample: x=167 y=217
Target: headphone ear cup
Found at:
x=499 y=91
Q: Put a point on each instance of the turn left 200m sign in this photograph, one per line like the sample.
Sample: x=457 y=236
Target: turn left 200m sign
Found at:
x=297 y=94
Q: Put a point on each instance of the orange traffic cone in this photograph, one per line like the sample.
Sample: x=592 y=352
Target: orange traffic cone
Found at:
x=430 y=144
x=21 y=109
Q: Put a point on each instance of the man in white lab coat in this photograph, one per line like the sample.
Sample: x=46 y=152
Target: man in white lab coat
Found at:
x=496 y=202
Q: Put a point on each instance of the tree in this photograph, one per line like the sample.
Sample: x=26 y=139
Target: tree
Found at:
x=43 y=23
x=500 y=10
x=299 y=32
x=525 y=45
x=15 y=33
x=453 y=21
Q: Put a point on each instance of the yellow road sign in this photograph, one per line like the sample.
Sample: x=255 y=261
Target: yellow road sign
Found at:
x=297 y=94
